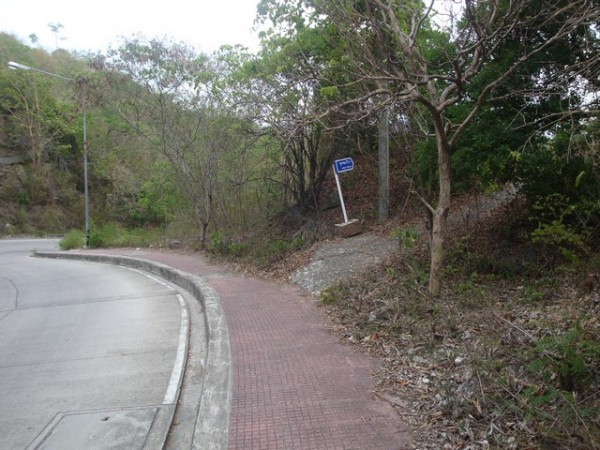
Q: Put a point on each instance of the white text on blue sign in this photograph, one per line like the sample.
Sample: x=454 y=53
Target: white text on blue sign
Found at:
x=343 y=165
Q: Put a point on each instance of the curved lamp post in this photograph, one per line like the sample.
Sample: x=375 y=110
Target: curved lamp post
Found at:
x=16 y=66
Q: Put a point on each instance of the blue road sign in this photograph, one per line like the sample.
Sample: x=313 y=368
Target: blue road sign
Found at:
x=343 y=165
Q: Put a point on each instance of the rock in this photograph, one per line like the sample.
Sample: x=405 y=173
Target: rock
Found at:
x=338 y=260
x=174 y=244
x=417 y=359
x=348 y=229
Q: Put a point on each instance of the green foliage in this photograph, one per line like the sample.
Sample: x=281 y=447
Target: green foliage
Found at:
x=260 y=250
x=557 y=235
x=103 y=237
x=331 y=296
x=277 y=248
x=329 y=91
x=73 y=239
x=533 y=294
x=407 y=237
x=562 y=225
x=570 y=360
x=297 y=241
x=563 y=187
x=423 y=165
x=219 y=245
x=239 y=249
x=564 y=369
x=391 y=272
x=484 y=153
x=157 y=199
x=470 y=291
x=114 y=235
x=552 y=169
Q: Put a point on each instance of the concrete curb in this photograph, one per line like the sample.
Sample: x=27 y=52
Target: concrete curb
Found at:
x=212 y=421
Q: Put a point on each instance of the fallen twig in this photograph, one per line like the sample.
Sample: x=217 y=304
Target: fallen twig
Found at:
x=516 y=327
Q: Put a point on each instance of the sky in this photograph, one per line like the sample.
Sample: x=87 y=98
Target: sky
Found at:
x=97 y=25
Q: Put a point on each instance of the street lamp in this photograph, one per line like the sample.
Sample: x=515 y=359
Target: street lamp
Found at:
x=16 y=66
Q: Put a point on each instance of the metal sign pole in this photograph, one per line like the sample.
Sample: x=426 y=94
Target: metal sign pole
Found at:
x=339 y=187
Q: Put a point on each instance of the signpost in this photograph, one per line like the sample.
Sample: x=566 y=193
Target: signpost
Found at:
x=341 y=166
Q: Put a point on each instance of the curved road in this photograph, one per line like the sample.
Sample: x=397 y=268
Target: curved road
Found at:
x=87 y=352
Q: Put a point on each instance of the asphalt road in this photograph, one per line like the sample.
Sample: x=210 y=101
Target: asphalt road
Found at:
x=90 y=353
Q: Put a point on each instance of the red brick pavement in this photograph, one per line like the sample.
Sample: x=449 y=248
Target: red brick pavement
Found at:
x=295 y=386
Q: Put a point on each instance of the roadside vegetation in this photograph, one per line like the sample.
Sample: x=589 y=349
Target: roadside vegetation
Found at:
x=487 y=323
x=508 y=357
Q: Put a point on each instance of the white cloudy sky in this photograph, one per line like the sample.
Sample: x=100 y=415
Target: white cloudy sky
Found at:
x=94 y=25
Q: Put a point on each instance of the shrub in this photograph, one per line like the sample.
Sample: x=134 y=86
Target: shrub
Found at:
x=217 y=244
x=407 y=237
x=298 y=241
x=569 y=360
x=557 y=235
x=563 y=225
x=113 y=235
x=102 y=236
x=73 y=239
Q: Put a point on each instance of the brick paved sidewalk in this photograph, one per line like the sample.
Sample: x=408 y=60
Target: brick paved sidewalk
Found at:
x=295 y=386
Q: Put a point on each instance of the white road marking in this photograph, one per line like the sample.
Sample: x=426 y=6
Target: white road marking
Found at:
x=158 y=280
x=177 y=374
x=178 y=367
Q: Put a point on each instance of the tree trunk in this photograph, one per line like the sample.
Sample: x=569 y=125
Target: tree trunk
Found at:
x=440 y=213
x=201 y=222
x=203 y=227
x=384 y=164
x=438 y=236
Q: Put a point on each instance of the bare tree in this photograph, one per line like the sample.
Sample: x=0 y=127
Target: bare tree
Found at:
x=166 y=97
